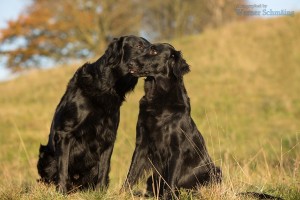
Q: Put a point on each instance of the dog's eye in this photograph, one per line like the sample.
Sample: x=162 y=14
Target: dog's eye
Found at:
x=139 y=46
x=153 y=52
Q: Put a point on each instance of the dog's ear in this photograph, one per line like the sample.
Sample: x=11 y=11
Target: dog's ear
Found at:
x=114 y=52
x=84 y=75
x=179 y=65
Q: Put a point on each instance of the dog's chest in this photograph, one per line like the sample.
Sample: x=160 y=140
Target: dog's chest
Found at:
x=99 y=128
x=156 y=119
x=159 y=127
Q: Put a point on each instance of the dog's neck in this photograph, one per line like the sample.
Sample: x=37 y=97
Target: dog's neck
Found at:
x=165 y=90
x=101 y=79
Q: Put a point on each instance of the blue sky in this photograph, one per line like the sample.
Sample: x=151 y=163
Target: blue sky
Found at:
x=10 y=9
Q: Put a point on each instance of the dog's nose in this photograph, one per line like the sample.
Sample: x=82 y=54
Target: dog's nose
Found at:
x=131 y=63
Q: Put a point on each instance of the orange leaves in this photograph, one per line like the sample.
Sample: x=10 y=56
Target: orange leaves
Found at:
x=65 y=29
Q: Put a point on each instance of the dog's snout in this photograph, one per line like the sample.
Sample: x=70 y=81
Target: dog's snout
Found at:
x=132 y=67
x=131 y=63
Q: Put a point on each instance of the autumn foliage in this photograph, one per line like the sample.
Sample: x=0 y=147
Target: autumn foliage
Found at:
x=60 y=31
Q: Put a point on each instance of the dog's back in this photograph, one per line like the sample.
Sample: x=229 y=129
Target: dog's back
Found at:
x=83 y=164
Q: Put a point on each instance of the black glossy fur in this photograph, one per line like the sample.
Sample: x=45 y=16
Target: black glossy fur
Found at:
x=86 y=120
x=167 y=139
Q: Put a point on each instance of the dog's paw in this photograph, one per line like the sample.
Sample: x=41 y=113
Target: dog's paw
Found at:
x=62 y=188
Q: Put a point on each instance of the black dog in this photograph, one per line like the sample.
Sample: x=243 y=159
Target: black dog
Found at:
x=86 y=120
x=167 y=139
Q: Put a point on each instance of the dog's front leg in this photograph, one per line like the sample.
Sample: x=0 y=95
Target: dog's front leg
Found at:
x=140 y=161
x=137 y=167
x=172 y=175
x=103 y=168
x=63 y=151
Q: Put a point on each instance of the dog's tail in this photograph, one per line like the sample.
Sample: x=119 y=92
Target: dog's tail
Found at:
x=47 y=165
x=259 y=195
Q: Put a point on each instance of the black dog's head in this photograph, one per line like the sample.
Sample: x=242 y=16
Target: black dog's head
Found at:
x=121 y=50
x=111 y=70
x=157 y=61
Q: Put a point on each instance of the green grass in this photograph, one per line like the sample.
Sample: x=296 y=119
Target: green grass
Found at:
x=244 y=89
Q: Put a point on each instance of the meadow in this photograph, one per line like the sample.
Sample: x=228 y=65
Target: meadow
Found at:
x=244 y=88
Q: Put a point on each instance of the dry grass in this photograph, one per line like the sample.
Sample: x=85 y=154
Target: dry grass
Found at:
x=244 y=89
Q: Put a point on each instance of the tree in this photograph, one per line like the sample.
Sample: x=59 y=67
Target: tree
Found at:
x=174 y=18
x=65 y=29
x=73 y=29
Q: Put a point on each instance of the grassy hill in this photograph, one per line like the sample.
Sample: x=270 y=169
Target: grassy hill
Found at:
x=244 y=87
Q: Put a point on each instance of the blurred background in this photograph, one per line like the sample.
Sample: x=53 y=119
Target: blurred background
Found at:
x=244 y=84
x=40 y=33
